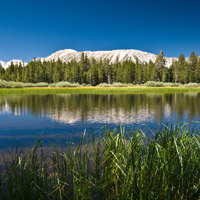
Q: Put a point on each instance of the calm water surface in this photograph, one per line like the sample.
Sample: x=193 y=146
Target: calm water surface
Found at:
x=23 y=118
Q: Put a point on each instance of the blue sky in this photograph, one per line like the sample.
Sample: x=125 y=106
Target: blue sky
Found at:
x=37 y=28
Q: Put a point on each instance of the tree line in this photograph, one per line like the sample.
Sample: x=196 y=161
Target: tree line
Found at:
x=95 y=72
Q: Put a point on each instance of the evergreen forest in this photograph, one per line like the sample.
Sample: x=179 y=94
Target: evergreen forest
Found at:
x=94 y=72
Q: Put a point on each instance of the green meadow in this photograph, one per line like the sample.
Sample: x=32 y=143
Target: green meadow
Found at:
x=97 y=90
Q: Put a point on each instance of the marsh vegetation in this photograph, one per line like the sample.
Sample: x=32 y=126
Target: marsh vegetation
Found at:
x=117 y=165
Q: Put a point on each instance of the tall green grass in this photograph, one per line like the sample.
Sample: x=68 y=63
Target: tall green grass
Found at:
x=117 y=165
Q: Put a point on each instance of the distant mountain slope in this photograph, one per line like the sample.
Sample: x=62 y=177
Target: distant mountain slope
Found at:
x=122 y=55
x=7 y=64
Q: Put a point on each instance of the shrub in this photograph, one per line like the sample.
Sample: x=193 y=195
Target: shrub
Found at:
x=154 y=84
x=121 y=84
x=52 y=85
x=191 y=85
x=28 y=85
x=104 y=85
x=150 y=84
x=41 y=84
x=3 y=84
x=172 y=84
x=13 y=84
x=10 y=84
x=64 y=84
x=117 y=84
x=86 y=85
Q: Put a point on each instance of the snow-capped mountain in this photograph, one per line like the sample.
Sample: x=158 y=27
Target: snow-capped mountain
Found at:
x=7 y=64
x=122 y=55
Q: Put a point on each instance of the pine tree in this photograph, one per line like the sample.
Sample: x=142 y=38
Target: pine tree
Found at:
x=108 y=71
x=138 y=72
x=152 y=71
x=127 y=74
x=2 y=71
x=114 y=67
x=145 y=72
x=101 y=72
x=164 y=75
x=74 y=72
x=197 y=72
x=160 y=64
x=192 y=66
x=84 y=67
x=119 y=72
x=182 y=67
x=56 y=75
x=93 y=73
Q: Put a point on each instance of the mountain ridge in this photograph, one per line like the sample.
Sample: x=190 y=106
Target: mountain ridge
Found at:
x=122 y=54
x=67 y=55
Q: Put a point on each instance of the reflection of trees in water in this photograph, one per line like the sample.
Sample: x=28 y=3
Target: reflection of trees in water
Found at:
x=42 y=105
x=2 y=103
x=187 y=102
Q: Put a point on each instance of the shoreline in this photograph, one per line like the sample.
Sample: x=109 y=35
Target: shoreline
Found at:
x=98 y=90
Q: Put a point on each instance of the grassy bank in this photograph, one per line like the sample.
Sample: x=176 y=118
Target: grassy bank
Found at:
x=114 y=166
x=10 y=87
x=97 y=90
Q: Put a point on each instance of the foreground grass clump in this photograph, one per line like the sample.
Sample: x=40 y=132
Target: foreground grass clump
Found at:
x=114 y=166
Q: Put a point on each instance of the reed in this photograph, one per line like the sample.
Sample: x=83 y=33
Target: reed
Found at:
x=117 y=165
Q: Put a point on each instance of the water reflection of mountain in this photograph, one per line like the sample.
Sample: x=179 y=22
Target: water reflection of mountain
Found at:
x=137 y=108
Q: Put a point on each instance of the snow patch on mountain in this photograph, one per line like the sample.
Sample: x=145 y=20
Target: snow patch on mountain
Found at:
x=15 y=62
x=122 y=55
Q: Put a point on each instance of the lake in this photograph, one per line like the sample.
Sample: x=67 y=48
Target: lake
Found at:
x=59 y=117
